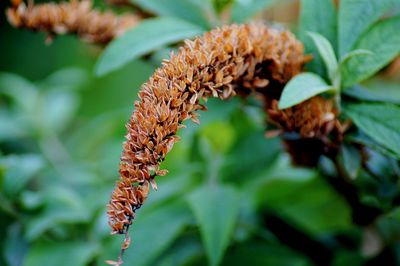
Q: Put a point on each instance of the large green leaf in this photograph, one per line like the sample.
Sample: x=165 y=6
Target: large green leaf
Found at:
x=301 y=88
x=188 y=10
x=61 y=253
x=216 y=209
x=381 y=122
x=383 y=41
x=142 y=39
x=153 y=231
x=356 y=16
x=245 y=9
x=317 y=16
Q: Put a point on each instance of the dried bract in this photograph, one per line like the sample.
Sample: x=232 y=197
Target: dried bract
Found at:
x=75 y=17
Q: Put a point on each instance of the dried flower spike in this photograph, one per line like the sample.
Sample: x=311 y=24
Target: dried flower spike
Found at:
x=75 y=17
x=232 y=59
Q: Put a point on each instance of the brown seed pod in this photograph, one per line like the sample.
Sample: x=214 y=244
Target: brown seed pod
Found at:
x=74 y=17
x=222 y=62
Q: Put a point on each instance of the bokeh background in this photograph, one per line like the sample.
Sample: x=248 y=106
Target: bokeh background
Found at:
x=61 y=133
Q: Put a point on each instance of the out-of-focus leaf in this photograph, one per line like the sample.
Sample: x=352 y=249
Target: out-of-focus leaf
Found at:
x=63 y=206
x=243 y=10
x=216 y=209
x=252 y=154
x=327 y=53
x=302 y=197
x=379 y=121
x=61 y=253
x=183 y=252
x=389 y=225
x=256 y=253
x=189 y=10
x=317 y=16
x=142 y=39
x=19 y=171
x=351 y=160
x=356 y=16
x=221 y=5
x=383 y=41
x=220 y=134
x=66 y=79
x=302 y=87
x=23 y=92
x=15 y=245
x=153 y=232
x=57 y=110
x=11 y=127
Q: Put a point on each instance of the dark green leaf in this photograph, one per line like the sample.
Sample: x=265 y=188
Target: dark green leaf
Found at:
x=142 y=39
x=245 y=9
x=189 y=10
x=356 y=16
x=317 y=16
x=351 y=160
x=61 y=253
x=379 y=121
x=383 y=41
x=301 y=88
x=216 y=209
x=153 y=232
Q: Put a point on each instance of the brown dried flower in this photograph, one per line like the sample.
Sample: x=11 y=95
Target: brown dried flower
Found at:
x=313 y=118
x=315 y=128
x=222 y=62
x=76 y=17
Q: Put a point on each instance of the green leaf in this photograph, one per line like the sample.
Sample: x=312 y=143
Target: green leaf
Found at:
x=358 y=52
x=351 y=160
x=327 y=53
x=142 y=39
x=216 y=209
x=221 y=5
x=153 y=232
x=383 y=40
x=187 y=10
x=355 y=17
x=317 y=16
x=51 y=253
x=379 y=121
x=301 y=88
x=242 y=10
x=376 y=90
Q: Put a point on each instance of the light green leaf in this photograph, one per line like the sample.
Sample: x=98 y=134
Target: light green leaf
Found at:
x=187 y=10
x=327 y=53
x=51 y=253
x=245 y=9
x=379 y=121
x=216 y=209
x=355 y=17
x=358 y=52
x=302 y=87
x=317 y=16
x=142 y=39
x=383 y=40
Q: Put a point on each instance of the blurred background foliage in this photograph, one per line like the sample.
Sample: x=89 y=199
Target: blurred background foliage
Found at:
x=61 y=130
